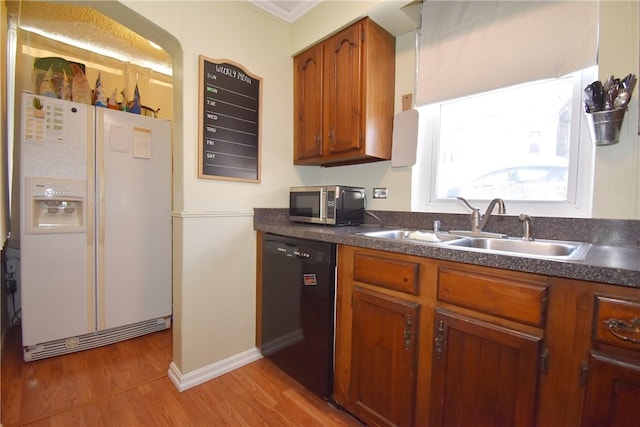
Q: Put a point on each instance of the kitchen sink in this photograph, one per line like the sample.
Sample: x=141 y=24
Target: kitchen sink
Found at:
x=552 y=249
x=413 y=235
x=535 y=248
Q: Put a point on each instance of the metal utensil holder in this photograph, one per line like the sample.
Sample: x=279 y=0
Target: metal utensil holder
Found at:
x=605 y=126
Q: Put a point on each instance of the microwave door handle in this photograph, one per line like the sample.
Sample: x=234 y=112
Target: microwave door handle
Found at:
x=323 y=205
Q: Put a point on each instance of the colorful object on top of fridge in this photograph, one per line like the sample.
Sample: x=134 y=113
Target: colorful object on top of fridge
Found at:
x=135 y=105
x=95 y=233
x=65 y=90
x=80 y=90
x=101 y=99
x=124 y=104
x=58 y=78
x=112 y=101
x=47 y=86
x=49 y=74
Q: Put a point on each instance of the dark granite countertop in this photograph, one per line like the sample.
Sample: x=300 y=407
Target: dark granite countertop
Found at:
x=614 y=256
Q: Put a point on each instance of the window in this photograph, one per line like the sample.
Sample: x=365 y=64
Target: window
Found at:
x=501 y=105
x=527 y=144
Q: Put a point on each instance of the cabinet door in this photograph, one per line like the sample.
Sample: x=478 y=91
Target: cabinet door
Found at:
x=483 y=374
x=308 y=89
x=343 y=91
x=613 y=392
x=384 y=359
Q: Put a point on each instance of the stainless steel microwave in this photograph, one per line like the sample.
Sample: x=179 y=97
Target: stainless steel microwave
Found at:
x=330 y=204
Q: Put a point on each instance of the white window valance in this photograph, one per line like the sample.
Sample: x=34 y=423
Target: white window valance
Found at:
x=469 y=47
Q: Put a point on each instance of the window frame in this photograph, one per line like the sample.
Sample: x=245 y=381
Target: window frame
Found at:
x=581 y=165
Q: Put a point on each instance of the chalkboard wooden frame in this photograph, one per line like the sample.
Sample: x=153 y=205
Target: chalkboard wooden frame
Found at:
x=229 y=121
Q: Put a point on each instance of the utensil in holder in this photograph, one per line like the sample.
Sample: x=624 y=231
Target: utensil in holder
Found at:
x=605 y=126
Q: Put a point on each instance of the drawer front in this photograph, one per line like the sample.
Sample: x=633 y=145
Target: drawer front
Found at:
x=617 y=322
x=391 y=273
x=522 y=301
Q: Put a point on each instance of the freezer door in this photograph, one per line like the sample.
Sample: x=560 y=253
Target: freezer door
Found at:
x=133 y=164
x=56 y=252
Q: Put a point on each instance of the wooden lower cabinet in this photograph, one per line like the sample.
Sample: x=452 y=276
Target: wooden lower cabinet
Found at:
x=611 y=377
x=483 y=374
x=384 y=358
x=425 y=342
x=383 y=334
x=613 y=392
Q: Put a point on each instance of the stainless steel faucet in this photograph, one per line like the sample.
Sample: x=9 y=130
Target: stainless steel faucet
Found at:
x=478 y=221
x=526 y=227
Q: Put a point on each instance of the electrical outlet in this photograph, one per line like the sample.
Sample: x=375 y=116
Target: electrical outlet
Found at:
x=380 y=193
x=12 y=266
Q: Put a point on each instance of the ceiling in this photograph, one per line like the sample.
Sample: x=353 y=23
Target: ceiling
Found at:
x=86 y=28
x=289 y=11
x=89 y=29
x=397 y=17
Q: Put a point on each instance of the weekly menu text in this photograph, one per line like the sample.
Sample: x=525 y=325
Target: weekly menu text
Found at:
x=229 y=121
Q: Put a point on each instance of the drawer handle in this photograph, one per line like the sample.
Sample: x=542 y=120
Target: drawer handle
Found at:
x=619 y=328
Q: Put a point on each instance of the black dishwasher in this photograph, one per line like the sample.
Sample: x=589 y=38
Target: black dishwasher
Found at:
x=298 y=300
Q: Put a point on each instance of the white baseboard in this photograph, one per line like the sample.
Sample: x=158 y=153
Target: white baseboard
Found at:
x=201 y=375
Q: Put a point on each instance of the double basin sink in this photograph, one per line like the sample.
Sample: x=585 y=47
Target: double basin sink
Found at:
x=486 y=242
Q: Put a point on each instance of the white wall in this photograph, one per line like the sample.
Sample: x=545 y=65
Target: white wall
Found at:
x=214 y=241
x=326 y=18
x=617 y=169
x=4 y=196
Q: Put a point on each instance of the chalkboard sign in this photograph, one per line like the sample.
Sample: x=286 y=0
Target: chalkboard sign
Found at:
x=229 y=142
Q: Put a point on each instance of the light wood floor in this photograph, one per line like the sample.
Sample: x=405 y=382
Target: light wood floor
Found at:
x=126 y=384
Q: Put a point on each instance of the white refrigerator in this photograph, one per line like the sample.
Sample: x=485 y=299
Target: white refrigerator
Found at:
x=95 y=226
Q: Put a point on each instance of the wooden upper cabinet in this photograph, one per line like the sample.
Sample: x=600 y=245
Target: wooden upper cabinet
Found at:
x=308 y=77
x=343 y=91
x=343 y=97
